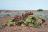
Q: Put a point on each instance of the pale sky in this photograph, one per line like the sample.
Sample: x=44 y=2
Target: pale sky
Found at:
x=23 y=4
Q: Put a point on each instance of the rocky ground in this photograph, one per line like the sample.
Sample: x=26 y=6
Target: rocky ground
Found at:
x=16 y=28
x=23 y=28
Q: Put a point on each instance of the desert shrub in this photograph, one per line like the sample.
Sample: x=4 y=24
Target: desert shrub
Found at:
x=29 y=20
x=2 y=26
x=7 y=14
x=40 y=10
x=33 y=21
x=10 y=23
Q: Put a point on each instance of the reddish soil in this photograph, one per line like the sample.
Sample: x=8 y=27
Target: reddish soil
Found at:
x=23 y=28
